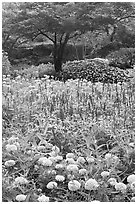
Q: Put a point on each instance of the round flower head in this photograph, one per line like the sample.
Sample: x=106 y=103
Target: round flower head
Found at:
x=11 y=148
x=21 y=197
x=81 y=160
x=82 y=171
x=105 y=174
x=120 y=187
x=43 y=198
x=10 y=163
x=108 y=156
x=60 y=178
x=12 y=139
x=52 y=184
x=90 y=159
x=132 y=186
x=55 y=149
x=59 y=158
x=72 y=167
x=131 y=178
x=41 y=148
x=115 y=159
x=91 y=184
x=70 y=161
x=112 y=181
x=53 y=159
x=21 y=180
x=59 y=166
x=74 y=185
x=70 y=155
x=44 y=161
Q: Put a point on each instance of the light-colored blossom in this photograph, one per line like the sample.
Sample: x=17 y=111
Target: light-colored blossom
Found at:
x=21 y=180
x=45 y=161
x=41 y=148
x=105 y=174
x=12 y=139
x=108 y=156
x=74 y=185
x=91 y=184
x=115 y=159
x=82 y=171
x=131 y=178
x=59 y=166
x=10 y=163
x=70 y=155
x=70 y=161
x=53 y=159
x=11 y=148
x=132 y=186
x=72 y=167
x=52 y=184
x=21 y=197
x=81 y=160
x=112 y=181
x=43 y=198
x=55 y=149
x=59 y=178
x=132 y=199
x=59 y=158
x=120 y=187
x=90 y=159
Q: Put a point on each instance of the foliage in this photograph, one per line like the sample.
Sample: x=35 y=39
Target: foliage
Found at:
x=5 y=64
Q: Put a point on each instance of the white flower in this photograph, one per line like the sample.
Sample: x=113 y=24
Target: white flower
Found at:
x=20 y=197
x=59 y=166
x=91 y=184
x=53 y=154
x=43 y=198
x=74 y=185
x=11 y=148
x=52 y=184
x=108 y=156
x=60 y=178
x=90 y=159
x=12 y=139
x=70 y=155
x=41 y=148
x=105 y=174
x=55 y=149
x=45 y=161
x=81 y=160
x=70 y=161
x=115 y=159
x=132 y=186
x=17 y=144
x=131 y=178
x=59 y=158
x=72 y=167
x=82 y=171
x=53 y=159
x=21 y=180
x=112 y=181
x=131 y=144
x=120 y=187
x=10 y=163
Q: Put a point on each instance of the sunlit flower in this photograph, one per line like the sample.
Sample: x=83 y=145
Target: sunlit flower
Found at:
x=74 y=185
x=120 y=187
x=45 y=161
x=82 y=171
x=108 y=156
x=132 y=144
x=59 y=166
x=12 y=139
x=43 y=198
x=70 y=155
x=70 y=161
x=52 y=184
x=131 y=178
x=11 y=148
x=115 y=159
x=132 y=186
x=21 y=197
x=90 y=159
x=10 y=163
x=60 y=178
x=105 y=174
x=55 y=149
x=72 y=167
x=59 y=158
x=91 y=184
x=112 y=181
x=53 y=159
x=81 y=160
x=41 y=148
x=21 y=180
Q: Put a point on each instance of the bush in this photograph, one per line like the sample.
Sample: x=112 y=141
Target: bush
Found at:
x=123 y=58
x=93 y=70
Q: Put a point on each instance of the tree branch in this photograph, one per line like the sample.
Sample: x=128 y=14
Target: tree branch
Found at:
x=41 y=32
x=124 y=17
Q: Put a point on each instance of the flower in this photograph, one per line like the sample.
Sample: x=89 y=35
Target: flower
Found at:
x=70 y=155
x=12 y=139
x=82 y=171
x=90 y=159
x=53 y=159
x=120 y=187
x=105 y=174
x=115 y=159
x=131 y=178
x=10 y=163
x=132 y=186
x=74 y=185
x=60 y=178
x=81 y=160
x=21 y=180
x=43 y=198
x=112 y=181
x=45 y=161
x=108 y=156
x=20 y=197
x=72 y=167
x=41 y=147
x=59 y=166
x=11 y=148
x=91 y=184
x=132 y=199
x=52 y=184
x=59 y=158
x=55 y=149
x=70 y=161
